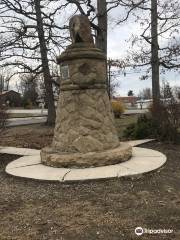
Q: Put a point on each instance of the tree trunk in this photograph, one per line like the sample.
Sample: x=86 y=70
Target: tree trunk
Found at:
x=46 y=72
x=155 y=57
x=101 y=38
x=1 y=84
x=109 y=78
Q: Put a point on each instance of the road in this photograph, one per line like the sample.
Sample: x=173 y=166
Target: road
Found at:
x=25 y=121
x=135 y=111
x=39 y=111
x=29 y=111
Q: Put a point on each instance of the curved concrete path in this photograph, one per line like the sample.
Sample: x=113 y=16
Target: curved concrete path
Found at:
x=143 y=161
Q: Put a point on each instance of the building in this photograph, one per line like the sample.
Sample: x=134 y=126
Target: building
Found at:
x=129 y=101
x=10 y=98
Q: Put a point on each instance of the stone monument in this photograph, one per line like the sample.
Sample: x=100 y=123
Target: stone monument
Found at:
x=84 y=135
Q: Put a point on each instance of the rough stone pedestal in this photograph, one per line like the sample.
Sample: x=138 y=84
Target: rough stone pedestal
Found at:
x=84 y=134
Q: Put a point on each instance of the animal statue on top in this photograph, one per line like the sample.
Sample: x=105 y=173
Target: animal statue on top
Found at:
x=80 y=30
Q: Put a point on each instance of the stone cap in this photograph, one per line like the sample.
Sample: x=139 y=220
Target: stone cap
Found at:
x=79 y=51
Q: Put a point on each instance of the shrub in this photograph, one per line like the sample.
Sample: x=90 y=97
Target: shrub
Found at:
x=168 y=115
x=168 y=121
x=129 y=131
x=3 y=118
x=117 y=108
x=165 y=128
x=144 y=128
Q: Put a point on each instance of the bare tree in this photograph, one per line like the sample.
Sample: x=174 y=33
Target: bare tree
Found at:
x=145 y=93
x=130 y=93
x=27 y=86
x=159 y=42
x=29 y=37
x=176 y=90
x=5 y=77
x=114 y=67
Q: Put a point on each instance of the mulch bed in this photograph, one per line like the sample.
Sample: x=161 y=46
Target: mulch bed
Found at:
x=108 y=210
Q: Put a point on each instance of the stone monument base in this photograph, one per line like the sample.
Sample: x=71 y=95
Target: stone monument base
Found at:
x=54 y=158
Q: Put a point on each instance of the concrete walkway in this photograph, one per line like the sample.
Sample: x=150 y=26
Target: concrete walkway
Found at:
x=19 y=151
x=143 y=160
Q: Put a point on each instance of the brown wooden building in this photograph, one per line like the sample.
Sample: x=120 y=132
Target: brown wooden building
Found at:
x=10 y=98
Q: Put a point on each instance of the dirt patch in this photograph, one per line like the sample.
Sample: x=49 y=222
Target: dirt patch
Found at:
x=108 y=210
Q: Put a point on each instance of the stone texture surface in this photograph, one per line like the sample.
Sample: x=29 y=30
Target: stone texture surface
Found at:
x=89 y=159
x=86 y=72
x=84 y=122
x=85 y=134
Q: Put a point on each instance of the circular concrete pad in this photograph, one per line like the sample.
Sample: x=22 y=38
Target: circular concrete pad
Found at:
x=143 y=160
